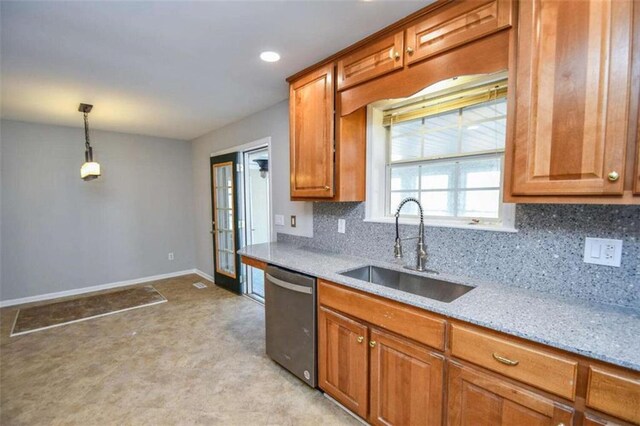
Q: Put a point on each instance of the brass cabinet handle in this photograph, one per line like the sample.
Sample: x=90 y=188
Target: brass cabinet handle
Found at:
x=613 y=176
x=410 y=51
x=360 y=339
x=397 y=55
x=372 y=343
x=327 y=187
x=504 y=360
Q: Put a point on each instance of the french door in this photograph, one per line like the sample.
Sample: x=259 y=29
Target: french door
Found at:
x=225 y=181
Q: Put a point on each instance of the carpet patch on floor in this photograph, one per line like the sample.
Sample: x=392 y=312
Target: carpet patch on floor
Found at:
x=36 y=318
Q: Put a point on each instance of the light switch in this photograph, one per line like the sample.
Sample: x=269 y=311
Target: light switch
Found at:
x=602 y=251
x=280 y=220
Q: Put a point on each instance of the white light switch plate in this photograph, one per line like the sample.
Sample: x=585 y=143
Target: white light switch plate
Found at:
x=280 y=219
x=602 y=251
x=341 y=226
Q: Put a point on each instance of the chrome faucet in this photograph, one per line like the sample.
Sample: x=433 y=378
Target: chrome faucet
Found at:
x=421 y=254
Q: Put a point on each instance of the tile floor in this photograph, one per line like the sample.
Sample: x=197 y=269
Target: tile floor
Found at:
x=198 y=359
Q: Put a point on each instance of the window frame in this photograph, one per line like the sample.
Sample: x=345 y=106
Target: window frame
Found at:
x=455 y=190
x=379 y=165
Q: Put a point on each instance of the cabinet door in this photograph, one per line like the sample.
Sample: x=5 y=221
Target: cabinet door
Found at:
x=460 y=23
x=371 y=61
x=343 y=359
x=406 y=382
x=478 y=399
x=572 y=97
x=590 y=420
x=636 y=173
x=311 y=133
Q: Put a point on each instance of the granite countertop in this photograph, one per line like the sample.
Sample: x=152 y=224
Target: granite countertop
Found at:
x=604 y=332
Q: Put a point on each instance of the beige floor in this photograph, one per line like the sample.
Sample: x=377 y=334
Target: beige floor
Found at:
x=198 y=359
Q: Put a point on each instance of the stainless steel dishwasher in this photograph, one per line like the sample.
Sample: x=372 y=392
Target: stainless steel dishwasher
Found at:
x=290 y=317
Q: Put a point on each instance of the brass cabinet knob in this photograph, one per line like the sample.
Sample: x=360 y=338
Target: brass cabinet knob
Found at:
x=360 y=339
x=327 y=187
x=372 y=343
x=397 y=55
x=410 y=51
x=613 y=176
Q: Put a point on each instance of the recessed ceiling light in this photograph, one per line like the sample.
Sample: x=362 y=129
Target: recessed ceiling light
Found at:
x=270 y=56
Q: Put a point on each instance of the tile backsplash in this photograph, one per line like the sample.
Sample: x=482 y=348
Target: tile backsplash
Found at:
x=546 y=254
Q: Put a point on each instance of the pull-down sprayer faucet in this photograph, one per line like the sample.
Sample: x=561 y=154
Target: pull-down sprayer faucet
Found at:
x=421 y=254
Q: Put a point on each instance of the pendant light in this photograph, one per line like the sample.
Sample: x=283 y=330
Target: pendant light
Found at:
x=263 y=164
x=90 y=169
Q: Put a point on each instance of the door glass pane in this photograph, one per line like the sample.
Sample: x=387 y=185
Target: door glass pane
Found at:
x=225 y=247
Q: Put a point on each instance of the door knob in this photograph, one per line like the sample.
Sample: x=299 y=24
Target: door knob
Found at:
x=360 y=339
x=613 y=176
x=372 y=343
x=410 y=51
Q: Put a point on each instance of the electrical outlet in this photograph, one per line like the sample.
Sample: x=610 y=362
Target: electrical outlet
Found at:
x=279 y=219
x=293 y=221
x=602 y=251
x=170 y=256
x=341 y=226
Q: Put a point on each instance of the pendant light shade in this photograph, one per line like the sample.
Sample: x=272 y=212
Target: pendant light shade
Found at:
x=90 y=169
x=263 y=164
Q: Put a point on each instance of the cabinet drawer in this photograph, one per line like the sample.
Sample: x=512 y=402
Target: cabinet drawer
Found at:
x=615 y=394
x=519 y=361
x=460 y=23
x=371 y=61
x=401 y=319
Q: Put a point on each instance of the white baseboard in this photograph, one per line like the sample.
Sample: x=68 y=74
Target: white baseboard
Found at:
x=203 y=274
x=56 y=295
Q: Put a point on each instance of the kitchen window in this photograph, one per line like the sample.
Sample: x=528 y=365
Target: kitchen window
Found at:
x=448 y=152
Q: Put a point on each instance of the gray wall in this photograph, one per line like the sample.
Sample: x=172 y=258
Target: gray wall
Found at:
x=61 y=233
x=545 y=254
x=273 y=122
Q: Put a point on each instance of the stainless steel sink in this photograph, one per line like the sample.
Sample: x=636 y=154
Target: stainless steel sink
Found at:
x=421 y=285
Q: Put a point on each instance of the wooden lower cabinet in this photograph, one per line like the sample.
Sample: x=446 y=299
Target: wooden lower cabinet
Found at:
x=406 y=382
x=384 y=378
x=343 y=361
x=478 y=399
x=386 y=374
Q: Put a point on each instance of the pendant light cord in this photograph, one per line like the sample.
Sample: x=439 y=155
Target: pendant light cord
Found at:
x=86 y=131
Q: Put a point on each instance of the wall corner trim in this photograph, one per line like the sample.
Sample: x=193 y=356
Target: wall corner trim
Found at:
x=83 y=290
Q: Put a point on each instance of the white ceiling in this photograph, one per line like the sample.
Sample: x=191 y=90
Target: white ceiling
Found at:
x=171 y=68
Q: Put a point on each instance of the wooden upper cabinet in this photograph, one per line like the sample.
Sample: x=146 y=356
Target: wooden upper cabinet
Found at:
x=572 y=94
x=479 y=399
x=460 y=23
x=311 y=103
x=371 y=61
x=343 y=366
x=406 y=382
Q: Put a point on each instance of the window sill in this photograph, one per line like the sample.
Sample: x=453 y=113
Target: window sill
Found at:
x=445 y=224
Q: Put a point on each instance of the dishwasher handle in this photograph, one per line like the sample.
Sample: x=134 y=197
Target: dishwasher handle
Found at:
x=289 y=286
